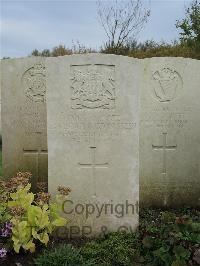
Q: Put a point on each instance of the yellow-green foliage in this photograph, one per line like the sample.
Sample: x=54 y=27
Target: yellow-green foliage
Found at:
x=35 y=222
x=26 y=218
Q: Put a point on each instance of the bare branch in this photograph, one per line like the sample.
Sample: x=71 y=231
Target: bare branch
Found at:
x=121 y=20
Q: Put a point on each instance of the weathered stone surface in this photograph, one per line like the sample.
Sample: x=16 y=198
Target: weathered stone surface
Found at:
x=92 y=110
x=24 y=117
x=169 y=126
x=170 y=132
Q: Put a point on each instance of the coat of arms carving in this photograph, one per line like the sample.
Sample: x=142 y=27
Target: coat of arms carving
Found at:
x=167 y=84
x=92 y=87
x=34 y=81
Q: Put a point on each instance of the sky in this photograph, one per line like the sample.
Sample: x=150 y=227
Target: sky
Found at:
x=44 y=24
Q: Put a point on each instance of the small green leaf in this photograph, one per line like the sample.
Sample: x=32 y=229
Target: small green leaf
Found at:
x=29 y=246
x=59 y=222
x=181 y=253
x=179 y=263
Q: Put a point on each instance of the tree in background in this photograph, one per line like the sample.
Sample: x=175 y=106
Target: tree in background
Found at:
x=60 y=50
x=35 y=52
x=121 y=21
x=190 y=25
x=46 y=52
x=56 y=51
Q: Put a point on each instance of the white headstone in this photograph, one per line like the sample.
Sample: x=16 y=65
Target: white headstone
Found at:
x=24 y=129
x=92 y=104
x=170 y=132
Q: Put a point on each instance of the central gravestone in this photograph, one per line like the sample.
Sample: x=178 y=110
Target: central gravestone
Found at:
x=92 y=104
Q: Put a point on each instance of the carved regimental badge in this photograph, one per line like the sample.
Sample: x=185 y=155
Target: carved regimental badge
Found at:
x=167 y=84
x=34 y=83
x=92 y=87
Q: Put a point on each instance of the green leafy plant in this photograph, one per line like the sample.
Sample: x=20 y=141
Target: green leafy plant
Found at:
x=36 y=221
x=158 y=242
x=33 y=217
x=63 y=256
x=112 y=249
x=181 y=254
x=162 y=256
x=187 y=230
x=168 y=238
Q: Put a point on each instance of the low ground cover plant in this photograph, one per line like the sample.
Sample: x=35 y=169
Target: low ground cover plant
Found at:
x=27 y=223
x=65 y=255
x=26 y=218
x=168 y=238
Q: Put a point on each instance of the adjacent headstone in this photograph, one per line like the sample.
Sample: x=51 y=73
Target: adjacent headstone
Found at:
x=170 y=132
x=92 y=110
x=24 y=118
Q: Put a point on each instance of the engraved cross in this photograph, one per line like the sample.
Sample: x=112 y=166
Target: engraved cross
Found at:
x=37 y=153
x=164 y=147
x=94 y=165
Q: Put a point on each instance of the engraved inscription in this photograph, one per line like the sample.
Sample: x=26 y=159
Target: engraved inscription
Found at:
x=164 y=147
x=34 y=83
x=92 y=86
x=109 y=127
x=166 y=117
x=165 y=120
x=167 y=84
x=33 y=118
